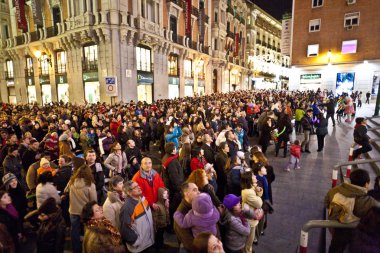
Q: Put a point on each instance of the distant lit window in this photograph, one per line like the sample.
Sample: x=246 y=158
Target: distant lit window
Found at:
x=143 y=58
x=316 y=3
x=8 y=66
x=351 y=19
x=45 y=61
x=315 y=25
x=61 y=62
x=188 y=68
x=349 y=46
x=29 y=65
x=173 y=65
x=312 y=50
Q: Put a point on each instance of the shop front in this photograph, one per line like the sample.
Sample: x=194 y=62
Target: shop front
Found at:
x=62 y=88
x=201 y=87
x=189 y=87
x=45 y=89
x=311 y=81
x=31 y=90
x=91 y=87
x=173 y=87
x=145 y=86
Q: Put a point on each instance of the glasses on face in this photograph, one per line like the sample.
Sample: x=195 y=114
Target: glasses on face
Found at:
x=135 y=187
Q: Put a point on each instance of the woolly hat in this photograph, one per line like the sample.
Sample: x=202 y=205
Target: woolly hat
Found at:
x=44 y=161
x=131 y=159
x=241 y=155
x=7 y=178
x=230 y=201
x=49 y=206
x=202 y=206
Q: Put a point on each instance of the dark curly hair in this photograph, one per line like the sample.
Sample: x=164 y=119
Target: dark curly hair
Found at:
x=88 y=212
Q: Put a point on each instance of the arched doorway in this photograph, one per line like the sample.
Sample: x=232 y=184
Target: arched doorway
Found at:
x=215 y=81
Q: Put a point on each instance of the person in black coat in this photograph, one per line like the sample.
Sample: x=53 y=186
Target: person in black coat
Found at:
x=10 y=218
x=234 y=148
x=330 y=109
x=209 y=153
x=31 y=155
x=285 y=128
x=174 y=177
x=132 y=150
x=321 y=131
x=16 y=192
x=375 y=192
x=51 y=233
x=220 y=164
x=37 y=132
x=265 y=134
x=12 y=162
x=361 y=137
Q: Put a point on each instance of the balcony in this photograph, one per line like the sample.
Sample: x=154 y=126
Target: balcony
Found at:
x=178 y=39
x=60 y=69
x=258 y=41
x=230 y=9
x=34 y=36
x=231 y=35
x=89 y=66
x=28 y=72
x=19 y=40
x=51 y=32
x=264 y=44
x=9 y=75
x=194 y=45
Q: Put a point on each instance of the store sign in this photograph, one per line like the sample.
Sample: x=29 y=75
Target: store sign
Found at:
x=90 y=76
x=144 y=77
x=311 y=76
x=201 y=83
x=61 y=79
x=44 y=80
x=189 y=82
x=174 y=80
x=111 y=86
x=286 y=35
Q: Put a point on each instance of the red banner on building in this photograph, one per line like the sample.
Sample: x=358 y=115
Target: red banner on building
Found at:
x=236 y=53
x=20 y=15
x=188 y=10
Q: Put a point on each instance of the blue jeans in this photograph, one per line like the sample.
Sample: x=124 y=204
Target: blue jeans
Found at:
x=75 y=233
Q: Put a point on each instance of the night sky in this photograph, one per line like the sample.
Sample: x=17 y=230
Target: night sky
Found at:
x=275 y=7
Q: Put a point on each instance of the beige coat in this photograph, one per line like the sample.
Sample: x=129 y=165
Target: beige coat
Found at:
x=250 y=198
x=111 y=208
x=43 y=192
x=80 y=194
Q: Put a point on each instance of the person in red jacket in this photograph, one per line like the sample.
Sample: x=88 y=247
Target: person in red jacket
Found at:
x=51 y=144
x=149 y=181
x=114 y=125
x=198 y=161
x=295 y=156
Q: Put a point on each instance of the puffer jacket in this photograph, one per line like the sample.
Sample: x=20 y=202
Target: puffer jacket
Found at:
x=45 y=191
x=51 y=234
x=80 y=194
x=111 y=208
x=236 y=233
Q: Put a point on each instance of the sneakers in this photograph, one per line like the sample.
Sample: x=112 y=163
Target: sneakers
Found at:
x=298 y=168
x=287 y=169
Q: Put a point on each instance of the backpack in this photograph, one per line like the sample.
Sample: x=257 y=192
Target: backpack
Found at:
x=341 y=209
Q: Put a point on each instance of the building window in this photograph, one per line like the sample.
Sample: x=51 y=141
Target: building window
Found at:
x=316 y=3
x=188 y=68
x=312 y=50
x=143 y=58
x=90 y=57
x=61 y=62
x=29 y=66
x=215 y=44
x=216 y=17
x=315 y=25
x=9 y=73
x=173 y=65
x=351 y=19
x=45 y=61
x=349 y=46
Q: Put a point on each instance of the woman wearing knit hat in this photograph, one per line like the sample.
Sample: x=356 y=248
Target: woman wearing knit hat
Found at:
x=51 y=233
x=236 y=226
x=203 y=216
x=16 y=192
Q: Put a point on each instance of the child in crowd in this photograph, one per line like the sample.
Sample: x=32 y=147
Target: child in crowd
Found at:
x=203 y=216
x=237 y=228
x=45 y=166
x=161 y=217
x=134 y=167
x=295 y=156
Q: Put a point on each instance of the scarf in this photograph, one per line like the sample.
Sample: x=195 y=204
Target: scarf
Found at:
x=120 y=165
x=12 y=211
x=107 y=225
x=149 y=176
x=121 y=196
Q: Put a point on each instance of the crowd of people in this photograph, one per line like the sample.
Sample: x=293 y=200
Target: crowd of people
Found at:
x=88 y=170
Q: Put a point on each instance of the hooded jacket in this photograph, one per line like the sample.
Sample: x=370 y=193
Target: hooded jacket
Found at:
x=45 y=191
x=111 y=208
x=363 y=202
x=80 y=194
x=236 y=233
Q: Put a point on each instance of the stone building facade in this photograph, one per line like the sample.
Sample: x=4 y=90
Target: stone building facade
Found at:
x=122 y=50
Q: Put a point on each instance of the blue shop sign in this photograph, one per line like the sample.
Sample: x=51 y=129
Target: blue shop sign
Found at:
x=144 y=77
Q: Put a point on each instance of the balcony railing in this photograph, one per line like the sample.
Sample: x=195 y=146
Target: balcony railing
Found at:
x=60 y=69
x=28 y=72
x=51 y=31
x=178 y=39
x=89 y=65
x=146 y=67
x=194 y=45
x=9 y=75
x=19 y=40
x=34 y=36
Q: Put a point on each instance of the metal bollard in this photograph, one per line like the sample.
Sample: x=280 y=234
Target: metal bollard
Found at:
x=334 y=178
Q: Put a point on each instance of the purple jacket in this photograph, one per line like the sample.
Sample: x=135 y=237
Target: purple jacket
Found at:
x=198 y=224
